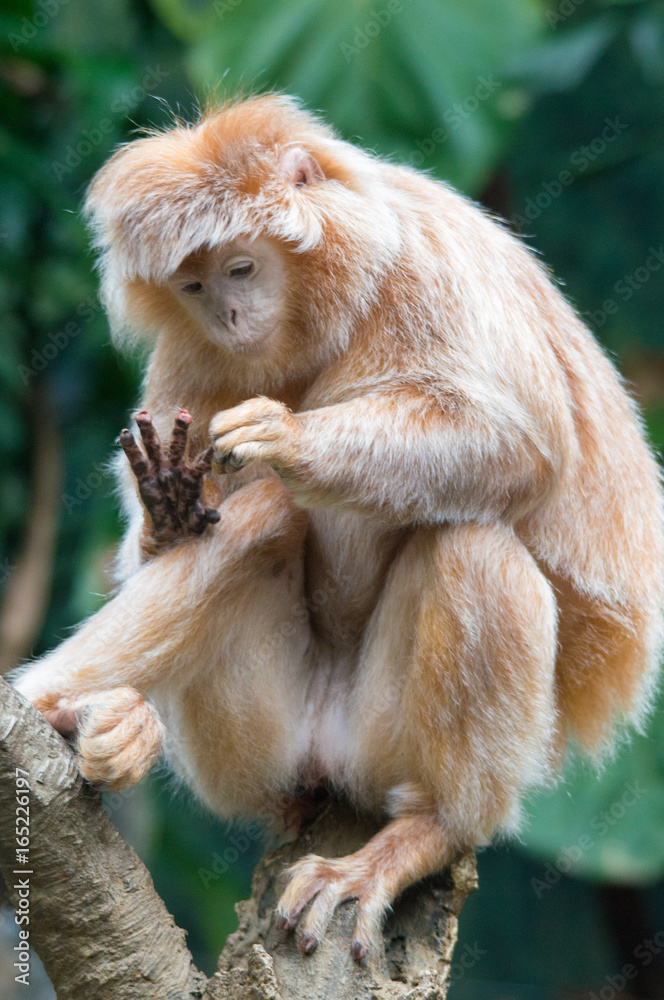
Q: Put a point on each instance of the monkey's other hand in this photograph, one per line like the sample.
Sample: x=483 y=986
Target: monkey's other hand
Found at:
x=259 y=430
x=169 y=486
x=328 y=882
x=120 y=737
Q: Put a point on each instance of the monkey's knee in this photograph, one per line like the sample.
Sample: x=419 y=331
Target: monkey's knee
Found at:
x=491 y=580
x=120 y=736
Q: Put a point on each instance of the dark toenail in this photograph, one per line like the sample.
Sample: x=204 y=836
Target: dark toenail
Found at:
x=358 y=950
x=308 y=944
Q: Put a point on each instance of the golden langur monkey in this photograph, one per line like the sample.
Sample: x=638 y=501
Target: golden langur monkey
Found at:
x=421 y=547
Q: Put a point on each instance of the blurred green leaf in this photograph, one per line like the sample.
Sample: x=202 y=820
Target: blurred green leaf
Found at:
x=607 y=825
x=563 y=61
x=646 y=34
x=388 y=74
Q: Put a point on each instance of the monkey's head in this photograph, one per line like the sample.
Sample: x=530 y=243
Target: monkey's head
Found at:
x=254 y=229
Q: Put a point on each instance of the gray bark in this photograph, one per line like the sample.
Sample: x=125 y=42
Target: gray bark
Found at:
x=101 y=930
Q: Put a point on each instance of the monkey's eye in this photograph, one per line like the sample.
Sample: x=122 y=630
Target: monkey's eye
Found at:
x=192 y=288
x=241 y=269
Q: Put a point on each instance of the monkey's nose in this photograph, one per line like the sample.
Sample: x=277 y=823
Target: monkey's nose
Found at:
x=228 y=317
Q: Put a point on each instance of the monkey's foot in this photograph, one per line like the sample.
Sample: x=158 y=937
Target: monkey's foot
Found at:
x=329 y=883
x=169 y=486
x=120 y=735
x=407 y=849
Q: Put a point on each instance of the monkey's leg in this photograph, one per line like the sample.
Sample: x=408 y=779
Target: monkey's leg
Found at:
x=455 y=712
x=182 y=615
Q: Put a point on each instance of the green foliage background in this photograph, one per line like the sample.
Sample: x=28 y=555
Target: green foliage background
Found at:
x=502 y=98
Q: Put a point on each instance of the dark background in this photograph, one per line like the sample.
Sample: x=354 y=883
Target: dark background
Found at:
x=550 y=114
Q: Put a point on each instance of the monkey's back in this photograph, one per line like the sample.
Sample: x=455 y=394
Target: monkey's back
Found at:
x=596 y=528
x=599 y=538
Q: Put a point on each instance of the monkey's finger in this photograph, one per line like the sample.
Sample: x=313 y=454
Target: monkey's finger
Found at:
x=267 y=432
x=150 y=439
x=179 y=437
x=169 y=481
x=190 y=488
x=203 y=463
x=197 y=520
x=260 y=410
x=63 y=720
x=234 y=459
x=137 y=461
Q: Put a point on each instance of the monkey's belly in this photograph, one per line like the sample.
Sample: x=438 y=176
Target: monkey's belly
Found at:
x=347 y=560
x=287 y=703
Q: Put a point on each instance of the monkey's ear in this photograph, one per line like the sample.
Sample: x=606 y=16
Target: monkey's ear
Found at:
x=299 y=167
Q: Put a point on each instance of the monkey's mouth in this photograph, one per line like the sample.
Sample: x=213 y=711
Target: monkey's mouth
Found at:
x=240 y=343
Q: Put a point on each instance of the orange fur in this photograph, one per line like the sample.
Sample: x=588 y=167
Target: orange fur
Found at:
x=443 y=556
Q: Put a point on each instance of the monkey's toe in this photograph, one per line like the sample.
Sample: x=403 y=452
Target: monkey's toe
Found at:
x=120 y=738
x=326 y=884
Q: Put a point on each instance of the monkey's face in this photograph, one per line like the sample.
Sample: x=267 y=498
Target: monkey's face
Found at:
x=236 y=293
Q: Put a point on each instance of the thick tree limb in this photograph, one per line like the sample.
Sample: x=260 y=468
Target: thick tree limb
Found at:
x=419 y=938
x=96 y=921
x=102 y=932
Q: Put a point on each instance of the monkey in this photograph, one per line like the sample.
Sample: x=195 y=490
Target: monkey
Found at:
x=418 y=556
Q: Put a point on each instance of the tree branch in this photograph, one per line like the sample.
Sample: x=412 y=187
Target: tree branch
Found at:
x=96 y=921
x=101 y=930
x=419 y=937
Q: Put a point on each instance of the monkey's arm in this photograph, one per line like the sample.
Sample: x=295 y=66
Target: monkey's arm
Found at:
x=401 y=454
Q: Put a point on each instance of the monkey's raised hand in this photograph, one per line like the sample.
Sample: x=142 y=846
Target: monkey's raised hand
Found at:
x=258 y=430
x=169 y=486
